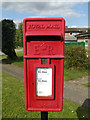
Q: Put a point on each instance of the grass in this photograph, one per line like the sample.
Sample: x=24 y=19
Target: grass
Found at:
x=0 y=94
x=87 y=84
x=68 y=74
x=18 y=47
x=74 y=74
x=13 y=102
x=18 y=61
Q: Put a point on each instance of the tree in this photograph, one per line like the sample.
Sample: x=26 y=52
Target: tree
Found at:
x=8 y=37
x=19 y=35
x=17 y=38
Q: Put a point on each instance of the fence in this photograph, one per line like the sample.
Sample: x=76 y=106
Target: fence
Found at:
x=75 y=43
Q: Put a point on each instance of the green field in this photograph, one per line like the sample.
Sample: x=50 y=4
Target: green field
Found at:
x=13 y=102
x=74 y=74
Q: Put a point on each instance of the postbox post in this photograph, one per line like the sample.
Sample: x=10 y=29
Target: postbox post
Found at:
x=44 y=115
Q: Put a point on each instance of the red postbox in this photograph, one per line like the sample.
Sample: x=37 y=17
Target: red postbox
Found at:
x=43 y=41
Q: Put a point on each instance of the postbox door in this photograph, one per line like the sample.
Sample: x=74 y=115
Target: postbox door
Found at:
x=44 y=102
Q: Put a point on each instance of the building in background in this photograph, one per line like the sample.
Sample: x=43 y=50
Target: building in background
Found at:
x=77 y=35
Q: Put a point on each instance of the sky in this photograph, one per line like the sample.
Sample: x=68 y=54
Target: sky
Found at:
x=74 y=13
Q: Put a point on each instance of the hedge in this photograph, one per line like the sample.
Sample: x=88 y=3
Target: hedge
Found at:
x=75 y=57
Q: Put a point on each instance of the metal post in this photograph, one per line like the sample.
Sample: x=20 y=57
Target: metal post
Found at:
x=44 y=115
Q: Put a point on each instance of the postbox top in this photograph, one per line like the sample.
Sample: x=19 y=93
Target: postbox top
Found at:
x=49 y=18
x=43 y=26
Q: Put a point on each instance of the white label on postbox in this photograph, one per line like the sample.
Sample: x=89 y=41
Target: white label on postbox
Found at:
x=44 y=81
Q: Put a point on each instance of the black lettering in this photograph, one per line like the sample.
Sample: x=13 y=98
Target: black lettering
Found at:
x=44 y=80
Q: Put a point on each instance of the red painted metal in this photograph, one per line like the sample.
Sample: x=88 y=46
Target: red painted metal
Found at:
x=43 y=38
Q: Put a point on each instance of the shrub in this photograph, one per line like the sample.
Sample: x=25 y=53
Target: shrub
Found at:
x=75 y=57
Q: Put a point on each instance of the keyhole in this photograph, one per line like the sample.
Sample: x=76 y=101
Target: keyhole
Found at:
x=32 y=83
